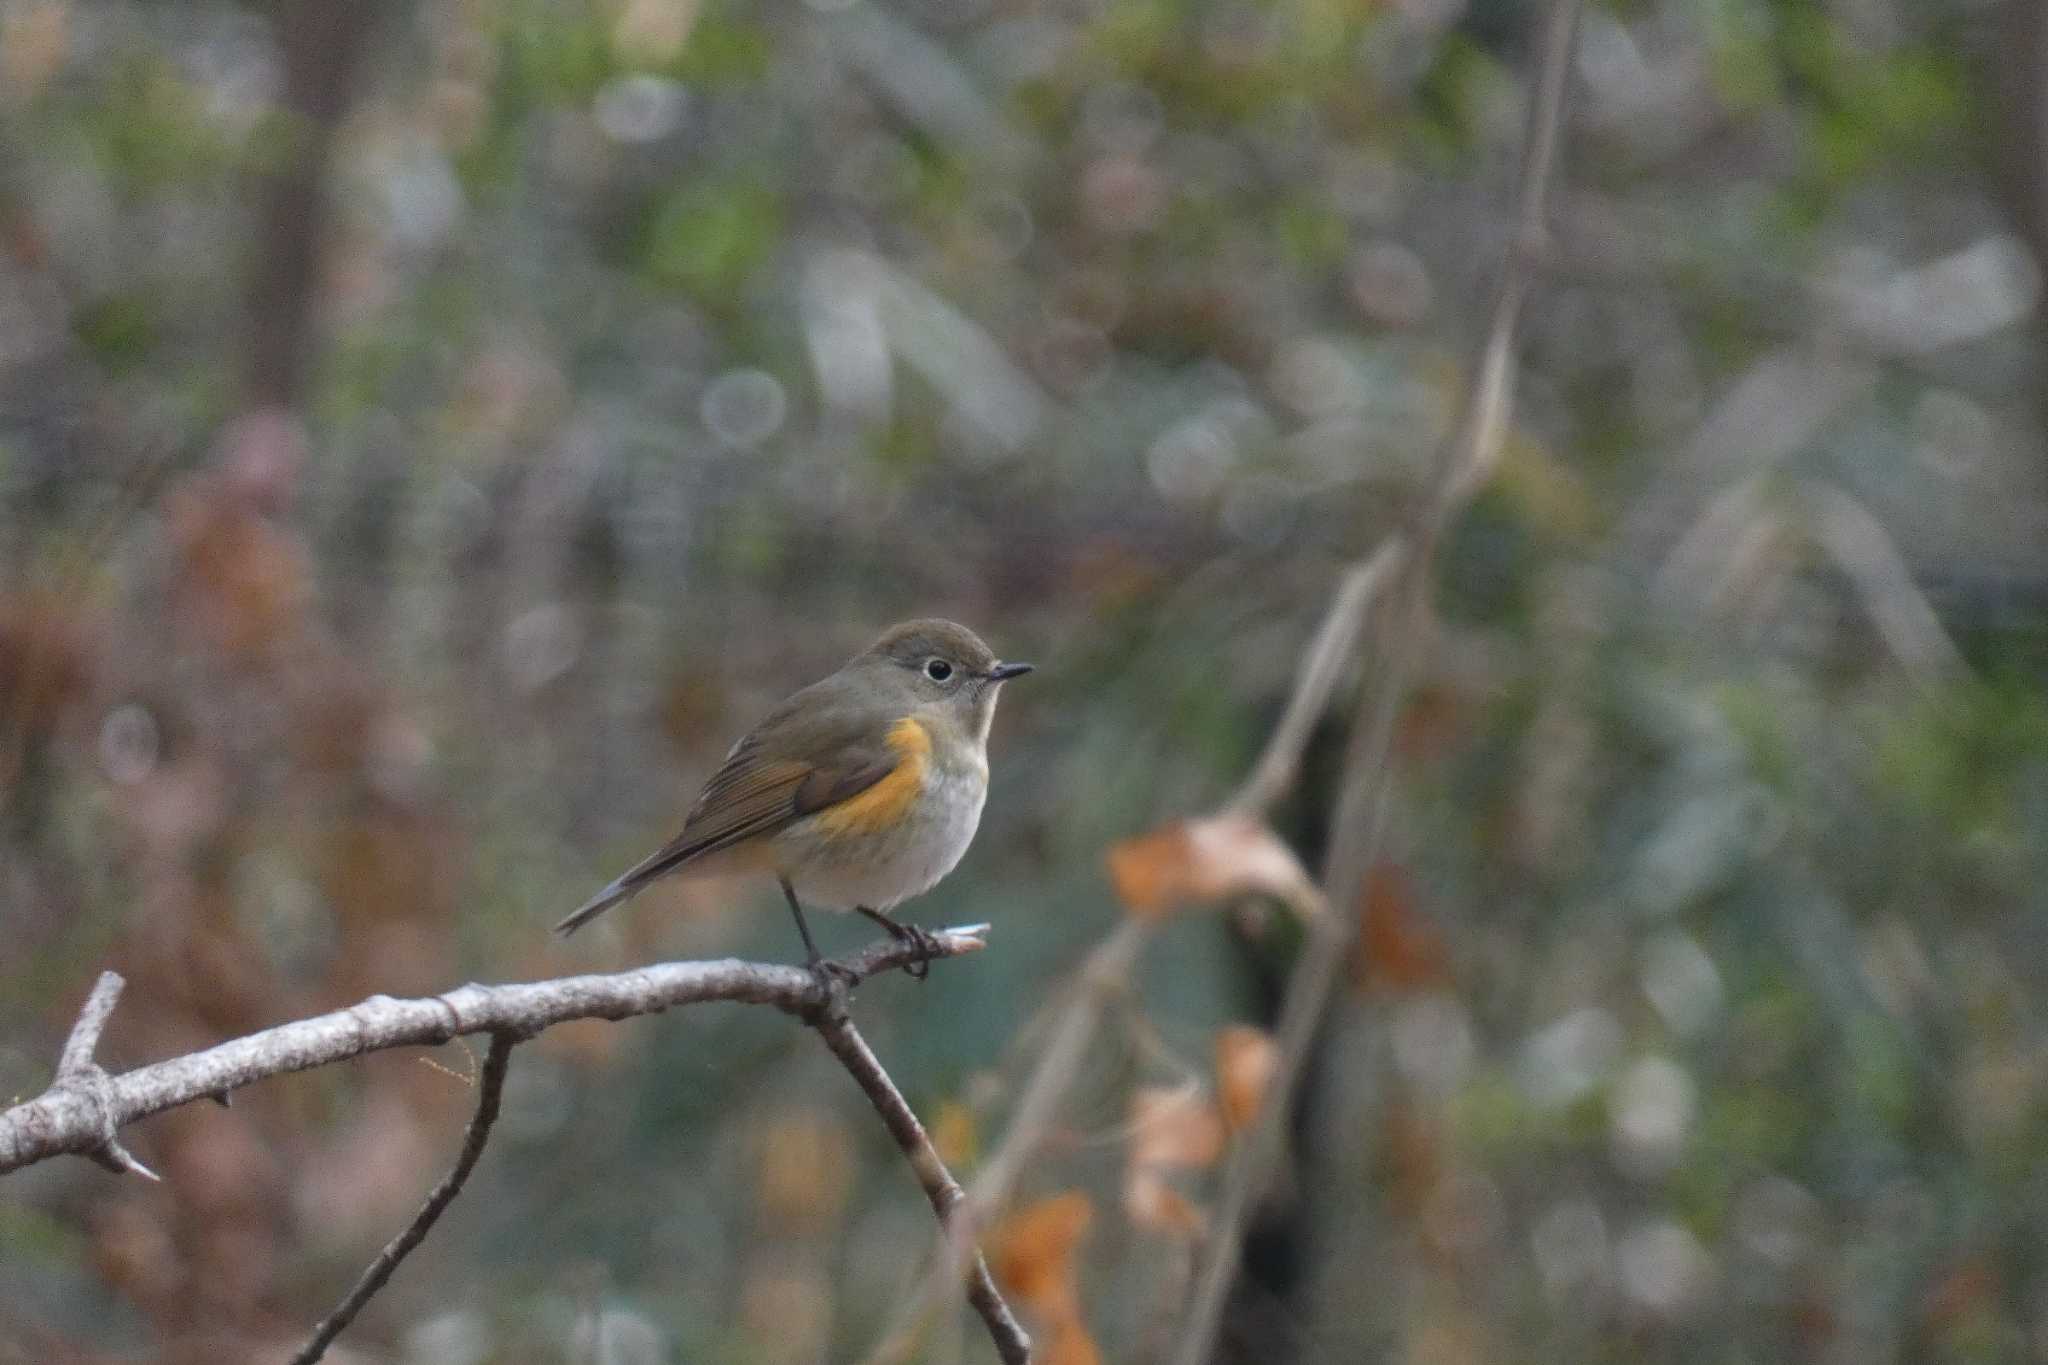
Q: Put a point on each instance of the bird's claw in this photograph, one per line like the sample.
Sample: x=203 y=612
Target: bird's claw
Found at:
x=923 y=942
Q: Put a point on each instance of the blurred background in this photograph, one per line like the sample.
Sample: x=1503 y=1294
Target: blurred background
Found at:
x=430 y=430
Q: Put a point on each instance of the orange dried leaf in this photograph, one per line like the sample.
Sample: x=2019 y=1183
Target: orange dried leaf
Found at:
x=1214 y=858
x=1032 y=1252
x=1245 y=1059
x=1146 y=870
x=1071 y=1345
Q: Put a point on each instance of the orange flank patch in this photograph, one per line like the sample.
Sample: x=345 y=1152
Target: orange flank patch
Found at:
x=884 y=805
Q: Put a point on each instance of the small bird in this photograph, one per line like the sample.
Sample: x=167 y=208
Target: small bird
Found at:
x=862 y=790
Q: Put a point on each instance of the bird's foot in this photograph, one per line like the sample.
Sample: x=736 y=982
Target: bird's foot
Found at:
x=927 y=947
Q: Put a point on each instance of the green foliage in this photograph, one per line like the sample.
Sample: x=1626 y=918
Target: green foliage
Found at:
x=150 y=132
x=707 y=238
x=724 y=50
x=1954 y=758
x=120 y=330
x=551 y=54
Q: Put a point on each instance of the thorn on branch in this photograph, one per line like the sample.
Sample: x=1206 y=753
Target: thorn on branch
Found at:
x=77 y=1071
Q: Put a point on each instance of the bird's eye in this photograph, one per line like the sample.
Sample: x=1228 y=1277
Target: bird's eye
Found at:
x=938 y=670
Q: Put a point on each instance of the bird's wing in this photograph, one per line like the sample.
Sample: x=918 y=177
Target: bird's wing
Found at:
x=763 y=786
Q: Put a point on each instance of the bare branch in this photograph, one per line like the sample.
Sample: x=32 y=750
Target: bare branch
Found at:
x=836 y=1028
x=1335 y=645
x=82 y=1113
x=1474 y=451
x=490 y=1090
x=1078 y=1013
x=1366 y=788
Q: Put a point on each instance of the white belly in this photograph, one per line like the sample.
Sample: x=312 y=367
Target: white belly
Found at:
x=881 y=869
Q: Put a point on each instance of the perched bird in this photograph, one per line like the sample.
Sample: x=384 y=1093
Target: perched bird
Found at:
x=860 y=791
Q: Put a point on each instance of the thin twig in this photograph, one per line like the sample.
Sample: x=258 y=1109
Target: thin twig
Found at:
x=1469 y=459
x=836 y=1028
x=1335 y=646
x=1474 y=450
x=490 y=1090
x=84 y=1039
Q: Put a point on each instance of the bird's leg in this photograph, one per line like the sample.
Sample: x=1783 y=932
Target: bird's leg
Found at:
x=927 y=946
x=826 y=972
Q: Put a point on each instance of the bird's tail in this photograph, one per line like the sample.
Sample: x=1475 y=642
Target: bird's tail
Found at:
x=621 y=890
x=631 y=882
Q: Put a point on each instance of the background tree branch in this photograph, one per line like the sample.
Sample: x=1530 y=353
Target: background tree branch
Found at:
x=1105 y=973
x=1359 y=823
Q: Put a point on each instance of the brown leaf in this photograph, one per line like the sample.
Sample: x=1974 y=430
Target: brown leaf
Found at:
x=45 y=665
x=1033 y=1253
x=1430 y=725
x=1399 y=949
x=1033 y=1250
x=1071 y=1345
x=1245 y=1059
x=1213 y=858
x=242 y=581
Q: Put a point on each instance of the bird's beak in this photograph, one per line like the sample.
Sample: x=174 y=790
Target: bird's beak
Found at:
x=1004 y=672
